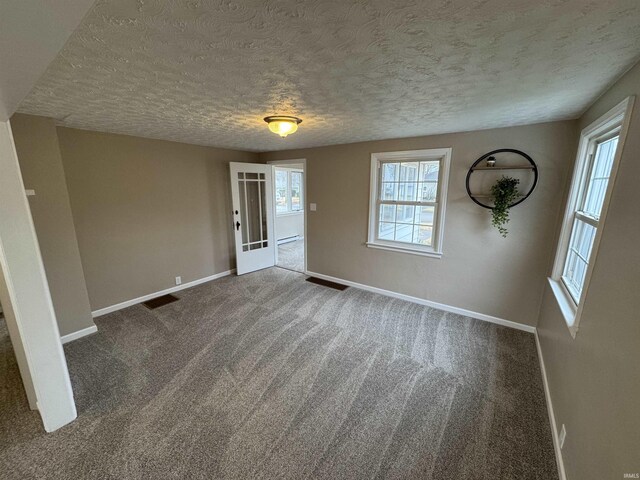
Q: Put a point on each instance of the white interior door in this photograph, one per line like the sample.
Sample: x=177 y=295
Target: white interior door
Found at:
x=251 y=189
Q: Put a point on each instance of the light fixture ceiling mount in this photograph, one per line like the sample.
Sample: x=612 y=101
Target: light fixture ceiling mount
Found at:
x=283 y=125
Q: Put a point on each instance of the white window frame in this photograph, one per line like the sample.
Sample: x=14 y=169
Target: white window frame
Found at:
x=443 y=155
x=616 y=119
x=289 y=171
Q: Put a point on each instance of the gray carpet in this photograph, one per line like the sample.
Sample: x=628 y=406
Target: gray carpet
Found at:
x=269 y=376
x=291 y=256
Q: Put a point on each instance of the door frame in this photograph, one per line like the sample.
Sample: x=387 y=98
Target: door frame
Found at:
x=284 y=163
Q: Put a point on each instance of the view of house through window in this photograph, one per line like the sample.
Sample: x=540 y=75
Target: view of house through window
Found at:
x=288 y=190
x=407 y=200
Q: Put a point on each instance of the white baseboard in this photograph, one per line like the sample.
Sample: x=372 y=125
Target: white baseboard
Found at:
x=144 y=298
x=293 y=238
x=79 y=334
x=552 y=417
x=428 y=303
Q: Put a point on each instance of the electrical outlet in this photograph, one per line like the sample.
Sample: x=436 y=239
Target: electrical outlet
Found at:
x=563 y=435
x=312 y=207
x=178 y=280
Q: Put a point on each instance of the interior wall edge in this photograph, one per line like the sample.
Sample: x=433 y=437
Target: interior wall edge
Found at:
x=147 y=211
x=550 y=412
x=40 y=160
x=598 y=368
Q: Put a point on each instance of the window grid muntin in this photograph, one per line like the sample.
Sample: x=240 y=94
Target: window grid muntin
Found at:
x=259 y=180
x=417 y=182
x=587 y=181
x=577 y=259
x=579 y=213
x=289 y=190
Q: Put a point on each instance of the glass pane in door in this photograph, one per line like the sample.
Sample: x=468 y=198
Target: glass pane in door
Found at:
x=243 y=211
x=253 y=212
x=263 y=211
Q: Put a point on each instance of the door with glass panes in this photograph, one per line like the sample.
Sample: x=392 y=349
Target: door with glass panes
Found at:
x=251 y=191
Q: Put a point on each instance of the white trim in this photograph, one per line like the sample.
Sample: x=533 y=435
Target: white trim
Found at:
x=565 y=303
x=31 y=319
x=79 y=334
x=292 y=238
x=295 y=161
x=144 y=298
x=291 y=214
x=428 y=303
x=304 y=211
x=412 y=251
x=618 y=117
x=443 y=155
x=552 y=417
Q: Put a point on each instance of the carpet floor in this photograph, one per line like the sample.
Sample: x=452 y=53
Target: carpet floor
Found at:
x=291 y=256
x=269 y=376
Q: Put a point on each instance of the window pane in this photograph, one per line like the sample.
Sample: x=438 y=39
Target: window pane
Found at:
x=296 y=191
x=405 y=213
x=577 y=261
x=253 y=219
x=424 y=215
x=243 y=212
x=390 y=172
x=389 y=191
x=385 y=231
x=263 y=208
x=429 y=171
x=427 y=191
x=406 y=183
x=404 y=233
x=599 y=178
x=423 y=235
x=387 y=213
x=407 y=192
x=409 y=172
x=281 y=191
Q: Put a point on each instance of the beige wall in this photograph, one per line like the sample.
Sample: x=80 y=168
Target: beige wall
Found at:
x=147 y=211
x=480 y=270
x=41 y=165
x=594 y=380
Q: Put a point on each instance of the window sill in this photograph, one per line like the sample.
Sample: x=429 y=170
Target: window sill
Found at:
x=289 y=214
x=566 y=305
x=412 y=251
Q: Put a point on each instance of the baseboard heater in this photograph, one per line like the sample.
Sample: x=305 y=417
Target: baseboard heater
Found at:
x=288 y=239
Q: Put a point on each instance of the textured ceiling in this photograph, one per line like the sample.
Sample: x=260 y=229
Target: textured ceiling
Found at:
x=207 y=72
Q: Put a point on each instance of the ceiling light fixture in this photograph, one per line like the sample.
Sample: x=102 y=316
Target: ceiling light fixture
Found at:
x=283 y=125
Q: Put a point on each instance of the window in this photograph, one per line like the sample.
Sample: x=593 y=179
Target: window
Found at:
x=595 y=170
x=408 y=196
x=288 y=190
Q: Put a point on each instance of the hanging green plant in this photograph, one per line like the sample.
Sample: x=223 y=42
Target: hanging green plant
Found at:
x=504 y=192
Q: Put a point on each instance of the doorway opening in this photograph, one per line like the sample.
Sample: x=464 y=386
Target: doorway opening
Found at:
x=289 y=190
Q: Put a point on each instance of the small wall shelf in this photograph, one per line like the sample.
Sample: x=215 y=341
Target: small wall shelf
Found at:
x=488 y=195
x=523 y=167
x=531 y=165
